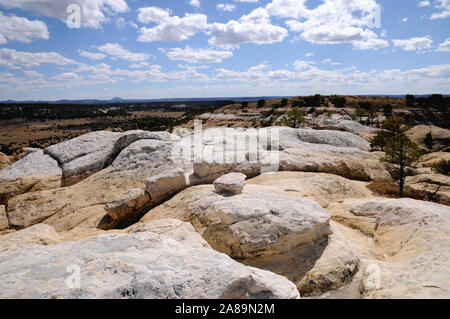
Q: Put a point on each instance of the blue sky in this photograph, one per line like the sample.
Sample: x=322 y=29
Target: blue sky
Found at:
x=198 y=48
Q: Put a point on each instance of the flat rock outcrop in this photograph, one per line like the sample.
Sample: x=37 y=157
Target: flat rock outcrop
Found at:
x=36 y=171
x=343 y=161
x=138 y=264
x=411 y=240
x=348 y=164
x=39 y=234
x=323 y=188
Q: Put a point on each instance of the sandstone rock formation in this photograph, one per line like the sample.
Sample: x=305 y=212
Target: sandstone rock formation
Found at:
x=36 y=171
x=232 y=183
x=346 y=162
x=132 y=201
x=139 y=264
x=92 y=152
x=437 y=186
x=428 y=160
x=276 y=222
x=280 y=233
x=341 y=123
x=39 y=234
x=323 y=188
x=4 y=223
x=5 y=160
x=164 y=185
x=137 y=162
x=441 y=137
x=411 y=240
x=335 y=268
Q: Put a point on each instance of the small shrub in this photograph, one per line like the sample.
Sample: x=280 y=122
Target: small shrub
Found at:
x=429 y=141
x=261 y=103
x=443 y=167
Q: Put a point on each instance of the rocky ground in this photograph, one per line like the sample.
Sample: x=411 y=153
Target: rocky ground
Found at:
x=142 y=217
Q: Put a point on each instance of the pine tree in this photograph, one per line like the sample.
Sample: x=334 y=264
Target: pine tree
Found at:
x=294 y=118
x=401 y=151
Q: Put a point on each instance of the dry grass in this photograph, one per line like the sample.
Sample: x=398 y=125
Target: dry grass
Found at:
x=391 y=190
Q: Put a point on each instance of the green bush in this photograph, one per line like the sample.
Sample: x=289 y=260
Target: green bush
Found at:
x=338 y=101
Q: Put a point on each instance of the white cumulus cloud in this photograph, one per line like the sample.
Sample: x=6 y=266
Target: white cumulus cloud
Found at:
x=92 y=55
x=225 y=7
x=444 y=46
x=414 y=44
x=195 y=3
x=191 y=55
x=117 y=51
x=20 y=29
x=94 y=12
x=255 y=27
x=333 y=22
x=169 y=28
x=445 y=13
x=12 y=58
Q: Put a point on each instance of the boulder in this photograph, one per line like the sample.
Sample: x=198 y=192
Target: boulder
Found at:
x=139 y=264
x=131 y=202
x=164 y=185
x=39 y=234
x=411 y=238
x=232 y=183
x=4 y=223
x=276 y=232
x=36 y=171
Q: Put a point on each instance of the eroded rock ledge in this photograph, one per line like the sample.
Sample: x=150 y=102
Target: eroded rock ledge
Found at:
x=278 y=223
x=163 y=259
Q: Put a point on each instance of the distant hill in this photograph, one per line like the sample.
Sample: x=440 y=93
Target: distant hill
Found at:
x=120 y=100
